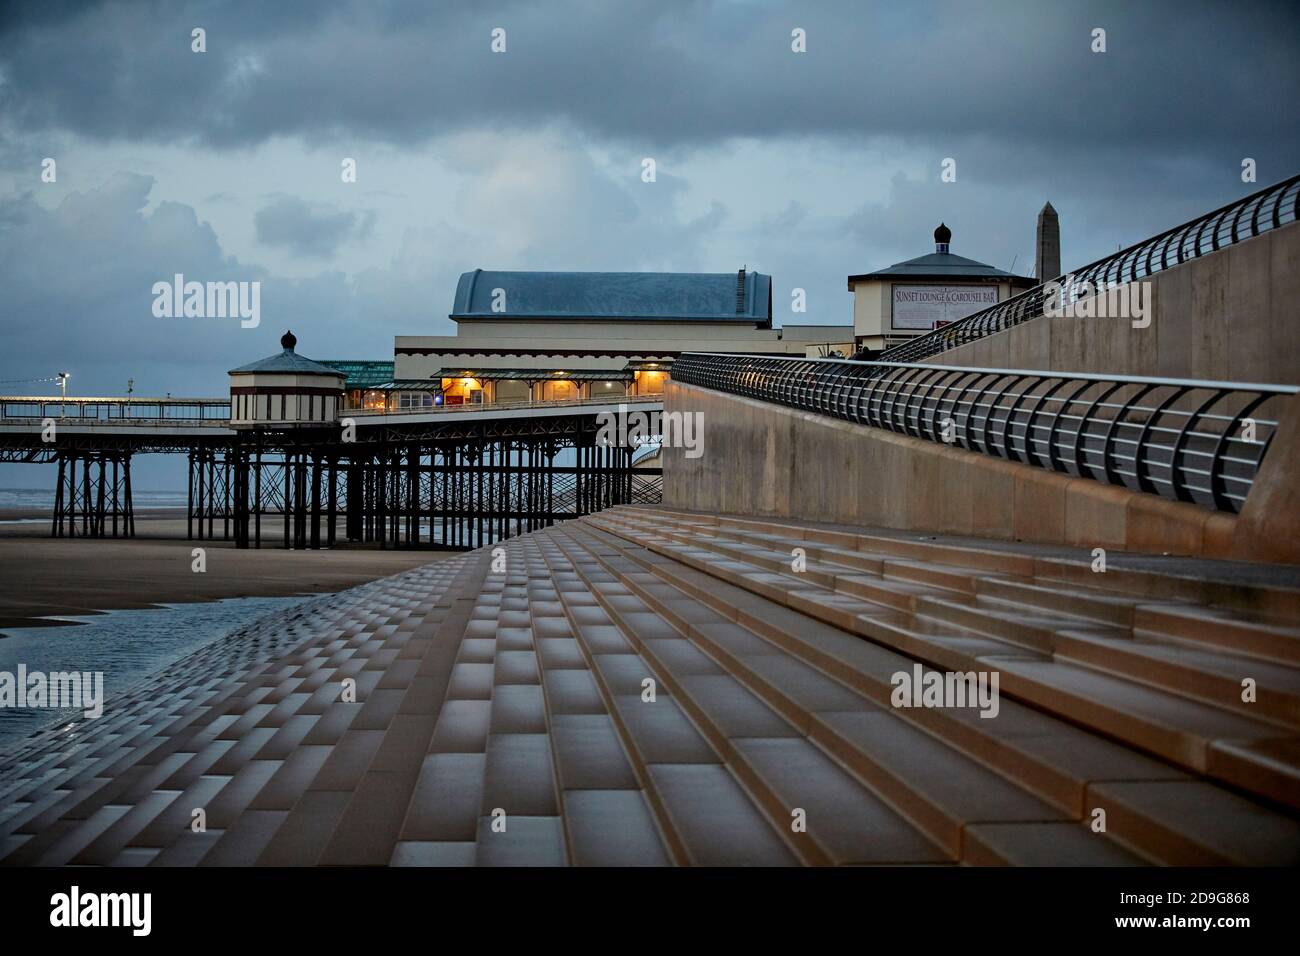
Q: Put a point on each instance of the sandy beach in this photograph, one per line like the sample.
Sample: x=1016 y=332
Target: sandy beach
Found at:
x=42 y=576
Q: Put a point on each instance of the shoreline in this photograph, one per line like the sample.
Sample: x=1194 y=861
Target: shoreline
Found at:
x=42 y=577
x=11 y=516
x=125 y=648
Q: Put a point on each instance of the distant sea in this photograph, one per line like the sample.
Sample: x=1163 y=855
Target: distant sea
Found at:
x=43 y=498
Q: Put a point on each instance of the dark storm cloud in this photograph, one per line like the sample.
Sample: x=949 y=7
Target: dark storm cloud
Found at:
x=307 y=229
x=1177 y=76
x=81 y=295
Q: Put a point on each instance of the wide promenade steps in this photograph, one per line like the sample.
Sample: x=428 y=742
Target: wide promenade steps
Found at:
x=501 y=716
x=1109 y=674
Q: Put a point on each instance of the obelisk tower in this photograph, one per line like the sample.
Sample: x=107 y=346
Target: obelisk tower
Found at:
x=1047 y=246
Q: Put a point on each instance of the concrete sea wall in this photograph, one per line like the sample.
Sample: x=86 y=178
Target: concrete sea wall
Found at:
x=767 y=460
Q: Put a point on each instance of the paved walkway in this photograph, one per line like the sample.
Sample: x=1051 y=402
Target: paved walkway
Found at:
x=644 y=688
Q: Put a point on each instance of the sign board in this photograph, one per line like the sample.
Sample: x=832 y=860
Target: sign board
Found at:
x=924 y=307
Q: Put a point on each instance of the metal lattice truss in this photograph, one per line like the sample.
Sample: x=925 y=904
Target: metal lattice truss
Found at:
x=447 y=483
x=452 y=494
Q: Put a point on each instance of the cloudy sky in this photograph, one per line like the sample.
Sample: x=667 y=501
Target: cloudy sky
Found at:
x=226 y=164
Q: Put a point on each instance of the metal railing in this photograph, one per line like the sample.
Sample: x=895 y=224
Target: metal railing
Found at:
x=112 y=411
x=506 y=406
x=26 y=409
x=1185 y=440
x=1242 y=219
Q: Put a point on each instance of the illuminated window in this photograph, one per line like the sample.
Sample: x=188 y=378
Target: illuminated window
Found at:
x=650 y=382
x=460 y=391
x=559 y=391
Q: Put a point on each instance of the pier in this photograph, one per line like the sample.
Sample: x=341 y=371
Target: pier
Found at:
x=457 y=477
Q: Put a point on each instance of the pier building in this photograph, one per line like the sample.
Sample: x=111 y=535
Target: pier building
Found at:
x=285 y=390
x=574 y=336
x=898 y=303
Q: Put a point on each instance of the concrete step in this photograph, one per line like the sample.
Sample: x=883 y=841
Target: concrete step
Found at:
x=824 y=564
x=845 y=822
x=600 y=740
x=917 y=547
x=1174 y=727
x=1229 y=830
x=1088 y=605
x=1190 y=670
x=1043 y=844
x=1255 y=636
x=1281 y=602
x=1003 y=623
x=951 y=577
x=826 y=709
x=1053 y=759
x=898 y=583
x=674 y=763
x=1148 y=727
x=1056 y=760
x=1205 y=675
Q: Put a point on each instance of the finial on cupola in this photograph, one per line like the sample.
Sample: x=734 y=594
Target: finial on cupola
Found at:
x=288 y=341
x=942 y=237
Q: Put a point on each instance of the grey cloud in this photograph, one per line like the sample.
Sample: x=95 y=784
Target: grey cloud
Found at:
x=1179 y=75
x=308 y=229
x=78 y=277
x=78 y=294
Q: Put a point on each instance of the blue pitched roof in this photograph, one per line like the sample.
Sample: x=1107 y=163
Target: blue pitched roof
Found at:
x=662 y=296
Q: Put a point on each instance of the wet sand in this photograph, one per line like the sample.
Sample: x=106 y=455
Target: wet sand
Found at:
x=41 y=576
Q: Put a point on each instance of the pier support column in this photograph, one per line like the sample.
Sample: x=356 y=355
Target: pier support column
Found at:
x=99 y=499
x=315 y=499
x=333 y=493
x=239 y=494
x=355 y=501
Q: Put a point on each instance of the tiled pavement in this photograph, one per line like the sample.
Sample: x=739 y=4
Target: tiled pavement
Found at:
x=503 y=718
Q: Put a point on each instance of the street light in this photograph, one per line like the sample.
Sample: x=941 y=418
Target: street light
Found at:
x=63 y=387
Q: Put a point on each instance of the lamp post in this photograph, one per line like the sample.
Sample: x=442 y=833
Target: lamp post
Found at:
x=63 y=387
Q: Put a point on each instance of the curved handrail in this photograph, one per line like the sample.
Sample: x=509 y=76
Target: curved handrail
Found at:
x=1182 y=439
